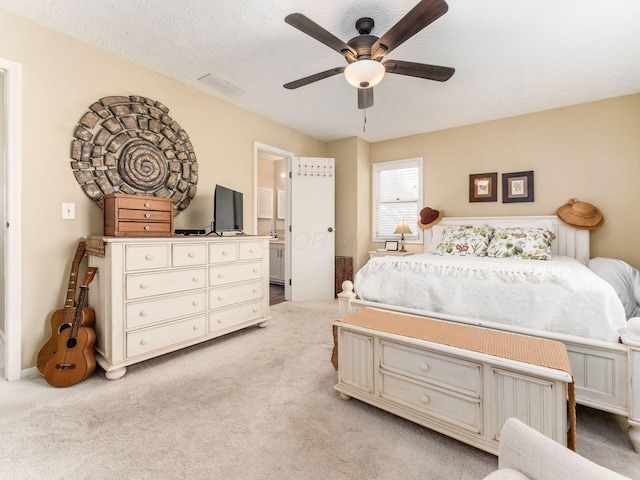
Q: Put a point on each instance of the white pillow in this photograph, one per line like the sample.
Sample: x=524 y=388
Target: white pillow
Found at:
x=436 y=237
x=625 y=281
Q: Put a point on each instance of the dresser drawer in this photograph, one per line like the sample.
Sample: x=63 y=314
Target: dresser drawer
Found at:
x=229 y=317
x=221 y=275
x=442 y=370
x=139 y=202
x=142 y=229
x=140 y=314
x=221 y=297
x=147 y=340
x=250 y=250
x=223 y=252
x=145 y=257
x=455 y=409
x=148 y=284
x=144 y=216
x=186 y=255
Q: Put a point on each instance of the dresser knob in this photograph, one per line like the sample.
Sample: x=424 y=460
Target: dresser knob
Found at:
x=143 y=342
x=424 y=367
x=147 y=228
x=147 y=204
x=255 y=270
x=224 y=253
x=191 y=254
x=255 y=310
x=196 y=327
x=196 y=279
x=219 y=320
x=147 y=215
x=251 y=250
x=148 y=257
x=143 y=286
x=143 y=313
x=255 y=290
x=195 y=303
x=424 y=399
x=220 y=297
x=220 y=275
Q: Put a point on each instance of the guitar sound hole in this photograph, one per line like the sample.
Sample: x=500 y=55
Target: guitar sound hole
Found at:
x=71 y=342
x=63 y=327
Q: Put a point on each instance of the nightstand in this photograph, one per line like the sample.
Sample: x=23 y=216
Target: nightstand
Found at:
x=390 y=253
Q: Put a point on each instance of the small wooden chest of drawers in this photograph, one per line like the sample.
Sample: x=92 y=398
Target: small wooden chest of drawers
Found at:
x=137 y=216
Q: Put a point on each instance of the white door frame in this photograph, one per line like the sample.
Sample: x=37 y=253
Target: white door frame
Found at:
x=13 y=227
x=288 y=156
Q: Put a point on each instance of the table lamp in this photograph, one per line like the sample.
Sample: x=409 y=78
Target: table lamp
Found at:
x=403 y=227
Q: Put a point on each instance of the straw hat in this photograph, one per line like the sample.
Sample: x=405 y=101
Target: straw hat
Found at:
x=429 y=217
x=580 y=215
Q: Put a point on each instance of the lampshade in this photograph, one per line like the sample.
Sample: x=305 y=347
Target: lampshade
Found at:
x=364 y=73
x=403 y=227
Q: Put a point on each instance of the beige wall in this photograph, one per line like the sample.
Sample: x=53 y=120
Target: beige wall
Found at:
x=353 y=187
x=61 y=78
x=589 y=151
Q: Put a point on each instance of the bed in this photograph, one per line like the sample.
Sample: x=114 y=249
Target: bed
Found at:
x=558 y=298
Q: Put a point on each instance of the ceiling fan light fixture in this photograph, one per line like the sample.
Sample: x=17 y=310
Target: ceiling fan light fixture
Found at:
x=364 y=73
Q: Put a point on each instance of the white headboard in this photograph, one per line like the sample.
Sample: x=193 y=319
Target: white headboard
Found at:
x=570 y=241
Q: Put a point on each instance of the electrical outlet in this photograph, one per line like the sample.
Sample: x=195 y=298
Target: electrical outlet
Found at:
x=68 y=211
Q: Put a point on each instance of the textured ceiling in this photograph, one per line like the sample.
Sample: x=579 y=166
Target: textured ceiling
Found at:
x=511 y=56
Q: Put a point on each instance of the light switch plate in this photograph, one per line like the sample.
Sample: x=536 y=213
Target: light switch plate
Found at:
x=68 y=211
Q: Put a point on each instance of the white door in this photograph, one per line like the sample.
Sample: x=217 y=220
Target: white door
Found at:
x=310 y=232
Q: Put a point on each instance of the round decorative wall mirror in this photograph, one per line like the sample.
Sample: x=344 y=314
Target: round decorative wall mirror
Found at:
x=131 y=145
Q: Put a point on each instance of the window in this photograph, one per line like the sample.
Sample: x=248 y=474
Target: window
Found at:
x=397 y=195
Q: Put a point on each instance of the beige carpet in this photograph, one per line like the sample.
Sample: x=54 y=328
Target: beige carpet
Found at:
x=258 y=404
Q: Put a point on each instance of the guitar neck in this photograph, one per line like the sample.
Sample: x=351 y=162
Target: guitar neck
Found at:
x=88 y=277
x=69 y=302
x=75 y=325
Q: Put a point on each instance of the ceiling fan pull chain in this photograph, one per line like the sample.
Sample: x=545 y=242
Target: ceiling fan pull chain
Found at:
x=364 y=124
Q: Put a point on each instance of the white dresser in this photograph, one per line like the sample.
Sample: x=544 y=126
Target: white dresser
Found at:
x=156 y=295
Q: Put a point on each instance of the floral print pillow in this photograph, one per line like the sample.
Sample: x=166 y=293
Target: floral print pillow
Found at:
x=465 y=241
x=529 y=243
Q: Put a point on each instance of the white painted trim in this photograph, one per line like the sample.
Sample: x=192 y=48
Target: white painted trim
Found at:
x=13 y=250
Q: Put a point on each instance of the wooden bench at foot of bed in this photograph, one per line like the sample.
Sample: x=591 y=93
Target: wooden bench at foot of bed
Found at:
x=462 y=381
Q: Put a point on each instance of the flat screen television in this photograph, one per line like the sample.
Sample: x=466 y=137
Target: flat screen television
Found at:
x=227 y=211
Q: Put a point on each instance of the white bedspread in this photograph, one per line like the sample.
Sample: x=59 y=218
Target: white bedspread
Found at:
x=560 y=295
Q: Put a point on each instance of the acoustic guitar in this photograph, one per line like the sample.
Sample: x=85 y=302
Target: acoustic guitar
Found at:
x=74 y=360
x=61 y=319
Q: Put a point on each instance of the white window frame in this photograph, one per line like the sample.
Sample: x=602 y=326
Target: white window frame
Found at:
x=416 y=236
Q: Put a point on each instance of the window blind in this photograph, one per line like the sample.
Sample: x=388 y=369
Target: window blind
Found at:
x=397 y=195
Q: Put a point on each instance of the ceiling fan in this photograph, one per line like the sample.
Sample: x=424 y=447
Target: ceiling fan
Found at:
x=365 y=53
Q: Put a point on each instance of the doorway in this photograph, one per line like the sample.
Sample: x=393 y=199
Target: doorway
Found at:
x=2 y=218
x=271 y=212
x=10 y=285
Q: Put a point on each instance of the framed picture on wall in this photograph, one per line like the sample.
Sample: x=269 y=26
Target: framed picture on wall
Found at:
x=517 y=187
x=482 y=187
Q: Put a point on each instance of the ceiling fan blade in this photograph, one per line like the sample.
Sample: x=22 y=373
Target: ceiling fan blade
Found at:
x=420 y=70
x=313 y=78
x=424 y=13
x=365 y=97
x=311 y=28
